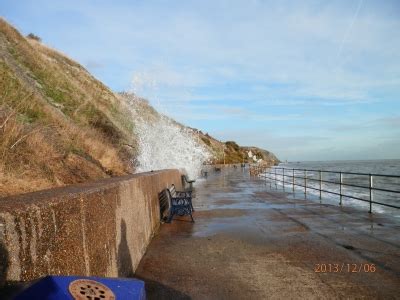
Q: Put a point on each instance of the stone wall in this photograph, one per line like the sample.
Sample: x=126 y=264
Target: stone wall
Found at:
x=100 y=228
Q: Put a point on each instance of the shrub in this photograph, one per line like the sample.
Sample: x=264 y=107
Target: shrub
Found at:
x=33 y=36
x=206 y=141
x=233 y=145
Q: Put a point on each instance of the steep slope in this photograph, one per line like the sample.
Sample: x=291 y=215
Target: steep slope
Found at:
x=58 y=124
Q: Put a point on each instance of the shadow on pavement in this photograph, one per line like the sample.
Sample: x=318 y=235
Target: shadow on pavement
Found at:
x=157 y=290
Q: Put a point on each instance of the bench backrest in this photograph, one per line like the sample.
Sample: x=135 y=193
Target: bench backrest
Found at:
x=185 y=178
x=165 y=202
x=172 y=190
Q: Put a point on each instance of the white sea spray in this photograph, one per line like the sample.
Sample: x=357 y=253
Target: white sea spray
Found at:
x=163 y=144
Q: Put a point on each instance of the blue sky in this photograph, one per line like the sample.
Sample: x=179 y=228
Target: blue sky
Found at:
x=307 y=80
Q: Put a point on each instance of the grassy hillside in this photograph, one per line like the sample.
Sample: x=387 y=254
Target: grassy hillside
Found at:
x=232 y=153
x=59 y=125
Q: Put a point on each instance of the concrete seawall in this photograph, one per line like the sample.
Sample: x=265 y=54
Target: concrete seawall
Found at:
x=101 y=228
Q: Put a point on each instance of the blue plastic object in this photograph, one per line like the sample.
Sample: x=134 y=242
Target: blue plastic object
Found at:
x=57 y=288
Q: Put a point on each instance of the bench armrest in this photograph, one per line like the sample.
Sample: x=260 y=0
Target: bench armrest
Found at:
x=187 y=179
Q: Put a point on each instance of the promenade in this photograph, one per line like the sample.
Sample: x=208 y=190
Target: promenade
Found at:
x=250 y=242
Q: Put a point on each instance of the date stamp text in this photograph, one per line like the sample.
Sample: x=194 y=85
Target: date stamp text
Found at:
x=345 y=267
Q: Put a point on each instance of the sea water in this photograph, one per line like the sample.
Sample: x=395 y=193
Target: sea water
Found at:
x=376 y=167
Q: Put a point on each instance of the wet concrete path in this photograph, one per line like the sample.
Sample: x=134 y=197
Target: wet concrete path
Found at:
x=252 y=242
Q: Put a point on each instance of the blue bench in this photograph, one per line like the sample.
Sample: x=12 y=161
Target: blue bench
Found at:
x=177 y=202
x=186 y=181
x=182 y=194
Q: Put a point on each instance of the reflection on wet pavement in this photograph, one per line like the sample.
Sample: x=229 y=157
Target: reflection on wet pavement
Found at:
x=250 y=241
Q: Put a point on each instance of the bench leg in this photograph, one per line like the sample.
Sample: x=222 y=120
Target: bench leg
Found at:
x=171 y=215
x=188 y=211
x=191 y=205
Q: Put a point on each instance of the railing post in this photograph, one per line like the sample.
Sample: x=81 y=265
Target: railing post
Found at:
x=305 y=182
x=340 y=188
x=275 y=179
x=265 y=176
x=320 y=185
x=370 y=192
x=283 y=175
x=293 y=181
x=269 y=178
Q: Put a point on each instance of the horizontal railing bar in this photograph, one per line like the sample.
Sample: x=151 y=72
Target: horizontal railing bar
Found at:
x=345 y=184
x=334 y=193
x=376 y=189
x=338 y=172
x=384 y=204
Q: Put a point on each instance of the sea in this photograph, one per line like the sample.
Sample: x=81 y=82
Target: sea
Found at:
x=385 y=176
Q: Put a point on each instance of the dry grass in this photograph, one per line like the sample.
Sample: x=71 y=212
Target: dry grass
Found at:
x=58 y=124
x=52 y=155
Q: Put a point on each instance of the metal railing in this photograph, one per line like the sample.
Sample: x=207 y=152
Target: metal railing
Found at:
x=272 y=175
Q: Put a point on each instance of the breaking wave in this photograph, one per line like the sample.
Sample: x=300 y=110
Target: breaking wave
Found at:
x=164 y=144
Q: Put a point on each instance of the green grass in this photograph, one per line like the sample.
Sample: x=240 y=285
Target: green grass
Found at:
x=14 y=96
x=206 y=141
x=31 y=116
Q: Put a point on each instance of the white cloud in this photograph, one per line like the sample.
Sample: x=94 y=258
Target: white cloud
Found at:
x=247 y=61
x=197 y=45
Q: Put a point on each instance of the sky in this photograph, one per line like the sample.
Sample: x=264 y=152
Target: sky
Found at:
x=307 y=80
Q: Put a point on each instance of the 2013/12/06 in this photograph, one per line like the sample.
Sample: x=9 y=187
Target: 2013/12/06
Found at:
x=345 y=267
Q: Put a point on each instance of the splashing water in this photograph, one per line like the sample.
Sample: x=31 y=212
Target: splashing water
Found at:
x=163 y=144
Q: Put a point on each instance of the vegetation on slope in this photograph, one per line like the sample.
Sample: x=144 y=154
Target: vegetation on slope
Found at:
x=59 y=125
x=231 y=153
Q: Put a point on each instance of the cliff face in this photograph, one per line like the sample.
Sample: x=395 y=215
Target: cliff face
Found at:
x=265 y=155
x=59 y=125
x=231 y=153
